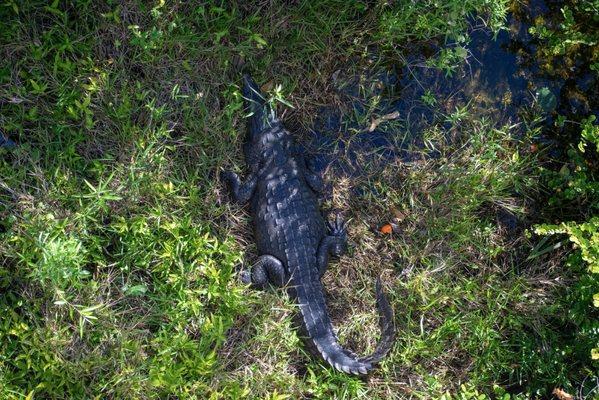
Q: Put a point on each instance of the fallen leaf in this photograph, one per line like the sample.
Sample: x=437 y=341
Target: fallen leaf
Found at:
x=267 y=86
x=387 y=229
x=398 y=216
x=561 y=395
x=377 y=121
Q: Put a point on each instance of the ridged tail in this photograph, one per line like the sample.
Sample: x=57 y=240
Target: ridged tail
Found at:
x=261 y=113
x=320 y=331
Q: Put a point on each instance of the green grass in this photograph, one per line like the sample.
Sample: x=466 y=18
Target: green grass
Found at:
x=119 y=250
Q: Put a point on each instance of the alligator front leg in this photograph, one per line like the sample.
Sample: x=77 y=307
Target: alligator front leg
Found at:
x=242 y=192
x=267 y=269
x=335 y=243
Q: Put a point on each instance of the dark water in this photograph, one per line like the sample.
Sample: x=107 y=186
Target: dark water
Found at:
x=500 y=80
x=6 y=142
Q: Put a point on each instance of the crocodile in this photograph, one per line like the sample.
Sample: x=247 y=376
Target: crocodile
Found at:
x=294 y=240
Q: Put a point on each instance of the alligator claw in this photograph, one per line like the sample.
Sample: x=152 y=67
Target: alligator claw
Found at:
x=338 y=227
x=240 y=191
x=245 y=277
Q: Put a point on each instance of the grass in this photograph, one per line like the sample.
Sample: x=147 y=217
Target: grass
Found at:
x=119 y=248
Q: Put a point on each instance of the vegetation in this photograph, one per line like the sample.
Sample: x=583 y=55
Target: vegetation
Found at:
x=119 y=250
x=575 y=186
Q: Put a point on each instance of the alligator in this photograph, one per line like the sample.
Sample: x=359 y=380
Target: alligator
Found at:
x=292 y=237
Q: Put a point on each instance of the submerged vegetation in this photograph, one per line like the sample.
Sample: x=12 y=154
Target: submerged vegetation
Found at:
x=119 y=250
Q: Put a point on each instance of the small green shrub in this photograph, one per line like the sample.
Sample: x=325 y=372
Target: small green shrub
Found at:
x=577 y=183
x=468 y=392
x=584 y=236
x=576 y=32
x=402 y=22
x=575 y=186
x=61 y=262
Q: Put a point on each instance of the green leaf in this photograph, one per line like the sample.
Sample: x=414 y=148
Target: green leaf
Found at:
x=259 y=40
x=137 y=290
x=546 y=99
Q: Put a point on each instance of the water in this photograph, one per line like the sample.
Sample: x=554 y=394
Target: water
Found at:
x=500 y=79
x=6 y=142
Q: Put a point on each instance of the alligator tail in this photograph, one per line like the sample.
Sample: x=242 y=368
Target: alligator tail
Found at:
x=320 y=332
x=261 y=113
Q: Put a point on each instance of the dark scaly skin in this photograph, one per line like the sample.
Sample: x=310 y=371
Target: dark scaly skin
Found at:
x=292 y=236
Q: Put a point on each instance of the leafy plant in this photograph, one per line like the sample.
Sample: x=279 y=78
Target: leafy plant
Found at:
x=60 y=262
x=576 y=181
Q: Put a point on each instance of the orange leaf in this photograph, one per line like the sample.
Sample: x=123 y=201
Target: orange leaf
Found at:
x=386 y=229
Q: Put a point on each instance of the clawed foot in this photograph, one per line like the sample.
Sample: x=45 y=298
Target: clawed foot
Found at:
x=245 y=277
x=338 y=227
x=241 y=192
x=338 y=230
x=267 y=269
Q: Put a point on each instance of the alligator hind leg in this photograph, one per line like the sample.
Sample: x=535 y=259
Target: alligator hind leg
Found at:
x=242 y=192
x=335 y=243
x=267 y=269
